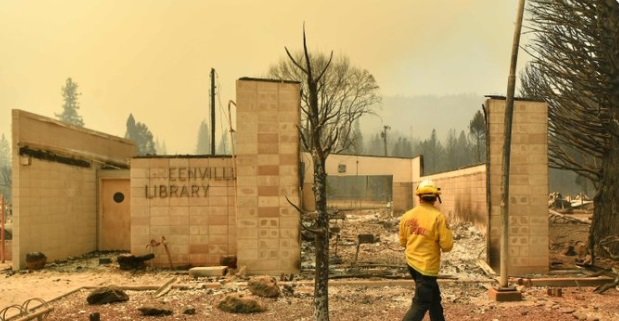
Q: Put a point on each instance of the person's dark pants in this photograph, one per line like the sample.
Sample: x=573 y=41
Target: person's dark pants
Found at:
x=427 y=298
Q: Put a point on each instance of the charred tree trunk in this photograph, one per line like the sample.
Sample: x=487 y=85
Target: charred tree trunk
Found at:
x=606 y=213
x=321 y=240
x=321 y=237
x=328 y=129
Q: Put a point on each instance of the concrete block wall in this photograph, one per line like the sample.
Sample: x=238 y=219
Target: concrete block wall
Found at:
x=55 y=185
x=54 y=200
x=473 y=194
x=464 y=197
x=268 y=228
x=528 y=189
x=54 y=210
x=402 y=200
x=189 y=201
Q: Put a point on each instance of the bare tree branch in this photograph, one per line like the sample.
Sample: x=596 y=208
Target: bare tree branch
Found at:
x=576 y=71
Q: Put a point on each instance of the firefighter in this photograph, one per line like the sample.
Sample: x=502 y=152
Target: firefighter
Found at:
x=424 y=234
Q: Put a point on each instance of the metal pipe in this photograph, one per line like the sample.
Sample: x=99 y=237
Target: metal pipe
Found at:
x=2 y=230
x=509 y=112
x=212 y=111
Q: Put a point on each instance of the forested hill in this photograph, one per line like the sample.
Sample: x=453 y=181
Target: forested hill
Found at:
x=417 y=116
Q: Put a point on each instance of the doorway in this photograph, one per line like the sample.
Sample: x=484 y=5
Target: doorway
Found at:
x=114 y=212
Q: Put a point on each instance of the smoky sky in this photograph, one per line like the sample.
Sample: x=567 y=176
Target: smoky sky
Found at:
x=152 y=58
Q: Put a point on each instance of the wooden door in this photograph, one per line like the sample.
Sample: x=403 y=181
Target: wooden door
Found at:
x=115 y=215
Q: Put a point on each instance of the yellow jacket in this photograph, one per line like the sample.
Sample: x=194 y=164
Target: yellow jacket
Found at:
x=424 y=233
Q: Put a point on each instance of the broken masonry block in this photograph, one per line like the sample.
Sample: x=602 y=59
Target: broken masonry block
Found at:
x=558 y=292
x=35 y=260
x=206 y=271
x=228 y=260
x=366 y=238
x=132 y=262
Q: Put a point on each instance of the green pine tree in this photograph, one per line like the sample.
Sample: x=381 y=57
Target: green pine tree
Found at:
x=71 y=104
x=204 y=139
x=142 y=136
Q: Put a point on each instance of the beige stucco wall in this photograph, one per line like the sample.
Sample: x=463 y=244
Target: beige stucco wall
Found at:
x=464 y=190
x=400 y=168
x=189 y=201
x=55 y=203
x=528 y=186
x=268 y=228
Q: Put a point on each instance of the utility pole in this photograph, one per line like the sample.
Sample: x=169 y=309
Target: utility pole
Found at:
x=383 y=134
x=509 y=112
x=212 y=111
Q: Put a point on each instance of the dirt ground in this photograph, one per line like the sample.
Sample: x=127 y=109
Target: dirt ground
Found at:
x=368 y=282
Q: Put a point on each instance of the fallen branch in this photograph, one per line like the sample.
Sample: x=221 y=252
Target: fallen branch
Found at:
x=555 y=214
x=486 y=268
x=605 y=244
x=166 y=287
x=602 y=288
x=598 y=271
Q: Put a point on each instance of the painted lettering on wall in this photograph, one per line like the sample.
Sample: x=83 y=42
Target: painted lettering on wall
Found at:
x=183 y=174
x=164 y=191
x=187 y=181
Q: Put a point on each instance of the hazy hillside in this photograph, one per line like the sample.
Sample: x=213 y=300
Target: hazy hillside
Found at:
x=417 y=116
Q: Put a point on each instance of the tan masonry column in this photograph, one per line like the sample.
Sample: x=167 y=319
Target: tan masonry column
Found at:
x=268 y=228
x=528 y=207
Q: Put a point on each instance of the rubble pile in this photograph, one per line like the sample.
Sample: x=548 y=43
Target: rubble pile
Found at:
x=366 y=244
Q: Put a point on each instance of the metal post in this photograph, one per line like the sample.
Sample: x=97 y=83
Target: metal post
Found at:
x=509 y=112
x=212 y=111
x=2 y=229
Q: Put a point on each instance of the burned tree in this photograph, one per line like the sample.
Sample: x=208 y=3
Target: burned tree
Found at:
x=344 y=94
x=576 y=71
x=334 y=96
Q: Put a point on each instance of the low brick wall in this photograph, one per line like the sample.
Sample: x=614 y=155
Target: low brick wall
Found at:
x=463 y=196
